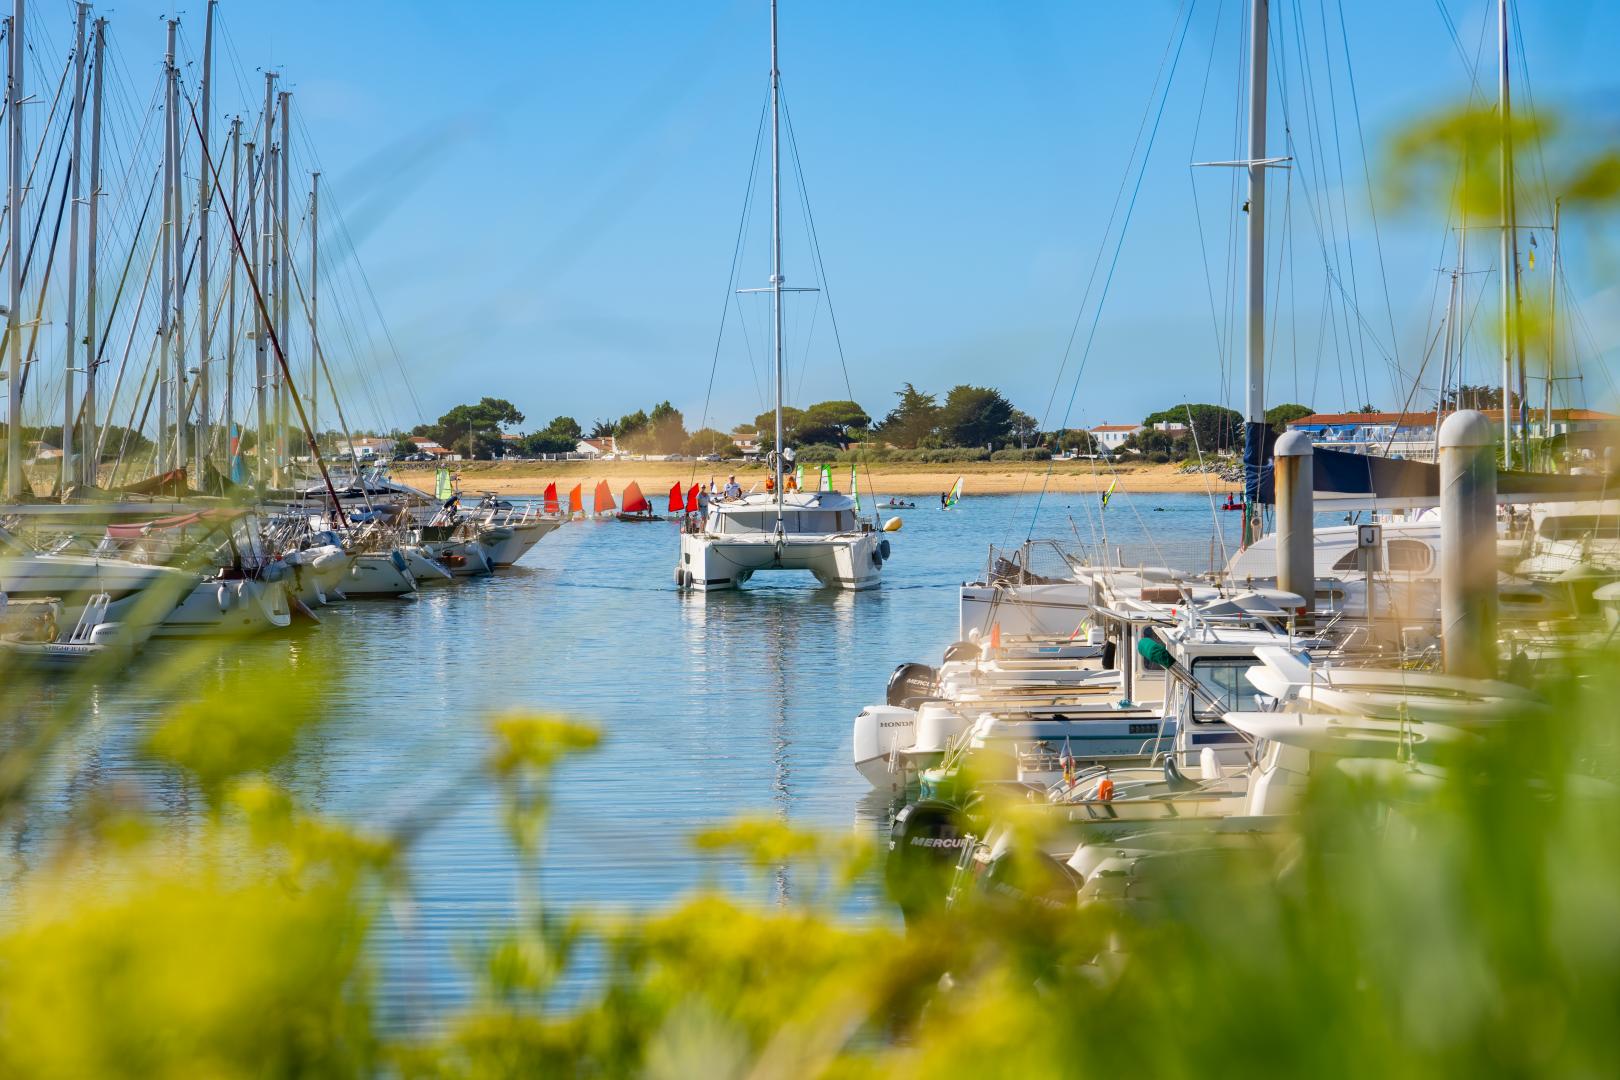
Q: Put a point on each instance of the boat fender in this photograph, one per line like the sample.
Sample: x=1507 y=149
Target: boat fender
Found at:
x=909 y=684
x=686 y=580
x=893 y=524
x=222 y=597
x=926 y=841
x=877 y=557
x=884 y=549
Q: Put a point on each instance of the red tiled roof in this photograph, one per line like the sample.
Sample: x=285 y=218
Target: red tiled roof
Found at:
x=1117 y=427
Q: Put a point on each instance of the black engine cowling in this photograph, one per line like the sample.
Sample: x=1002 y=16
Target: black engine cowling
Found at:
x=926 y=841
x=909 y=684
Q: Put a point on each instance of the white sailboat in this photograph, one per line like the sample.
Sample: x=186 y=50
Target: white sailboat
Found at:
x=818 y=531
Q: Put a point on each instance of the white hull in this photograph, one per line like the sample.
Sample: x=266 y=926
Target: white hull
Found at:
x=379 y=573
x=1047 y=611
x=140 y=595
x=506 y=544
x=842 y=561
x=423 y=568
x=229 y=607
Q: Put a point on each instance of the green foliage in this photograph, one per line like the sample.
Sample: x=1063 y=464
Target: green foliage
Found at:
x=709 y=441
x=1280 y=416
x=560 y=436
x=661 y=431
x=472 y=430
x=1035 y=453
x=912 y=420
x=975 y=416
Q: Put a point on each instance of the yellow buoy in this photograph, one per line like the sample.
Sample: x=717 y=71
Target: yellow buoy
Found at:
x=893 y=524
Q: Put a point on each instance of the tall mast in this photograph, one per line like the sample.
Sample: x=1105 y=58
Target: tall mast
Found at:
x=170 y=242
x=90 y=457
x=204 y=321
x=269 y=383
x=1505 y=115
x=283 y=267
x=75 y=167
x=1254 y=399
x=776 y=253
x=177 y=219
x=14 y=96
x=1552 y=329
x=229 y=419
x=261 y=381
x=314 y=299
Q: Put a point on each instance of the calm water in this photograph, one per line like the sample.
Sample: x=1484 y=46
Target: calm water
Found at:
x=709 y=707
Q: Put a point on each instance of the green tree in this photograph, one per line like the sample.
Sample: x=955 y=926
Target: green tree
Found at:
x=473 y=430
x=1025 y=428
x=709 y=441
x=558 y=437
x=1280 y=416
x=833 y=422
x=911 y=421
x=975 y=416
x=765 y=424
x=1214 y=427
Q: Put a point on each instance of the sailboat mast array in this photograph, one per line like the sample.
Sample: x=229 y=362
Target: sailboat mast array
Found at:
x=1509 y=248
x=90 y=458
x=75 y=172
x=204 y=197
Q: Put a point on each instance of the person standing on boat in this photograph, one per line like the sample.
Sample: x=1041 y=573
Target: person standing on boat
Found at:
x=703 y=505
x=733 y=489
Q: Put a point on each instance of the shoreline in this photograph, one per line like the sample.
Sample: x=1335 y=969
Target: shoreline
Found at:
x=913 y=480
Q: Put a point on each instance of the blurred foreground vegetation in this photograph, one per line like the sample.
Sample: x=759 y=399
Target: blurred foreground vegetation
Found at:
x=1403 y=928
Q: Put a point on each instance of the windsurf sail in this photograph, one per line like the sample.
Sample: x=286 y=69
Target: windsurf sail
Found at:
x=576 y=500
x=603 y=501
x=955 y=495
x=826 y=478
x=443 y=488
x=675 y=500
x=691 y=500
x=1109 y=493
x=634 y=501
x=551 y=506
x=798 y=477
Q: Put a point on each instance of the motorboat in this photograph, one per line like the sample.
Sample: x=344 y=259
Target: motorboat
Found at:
x=138 y=594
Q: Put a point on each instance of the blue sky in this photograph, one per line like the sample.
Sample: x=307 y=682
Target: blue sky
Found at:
x=545 y=195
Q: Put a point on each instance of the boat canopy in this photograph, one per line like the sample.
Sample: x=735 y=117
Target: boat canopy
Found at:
x=1395 y=481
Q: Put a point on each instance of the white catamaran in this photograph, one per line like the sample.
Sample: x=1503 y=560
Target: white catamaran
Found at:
x=819 y=531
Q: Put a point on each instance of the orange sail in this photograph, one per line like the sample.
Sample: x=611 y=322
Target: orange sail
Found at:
x=604 y=498
x=576 y=500
x=634 y=501
x=675 y=500
x=551 y=506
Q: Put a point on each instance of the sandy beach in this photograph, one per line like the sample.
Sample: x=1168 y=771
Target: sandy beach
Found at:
x=909 y=479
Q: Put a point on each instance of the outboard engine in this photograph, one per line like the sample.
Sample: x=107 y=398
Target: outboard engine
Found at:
x=1024 y=876
x=926 y=841
x=963 y=650
x=911 y=683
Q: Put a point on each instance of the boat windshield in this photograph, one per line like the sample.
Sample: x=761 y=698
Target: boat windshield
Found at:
x=814 y=522
x=1221 y=680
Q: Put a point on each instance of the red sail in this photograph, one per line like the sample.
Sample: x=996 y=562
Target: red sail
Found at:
x=634 y=501
x=691 y=500
x=604 y=498
x=551 y=506
x=675 y=500
x=576 y=500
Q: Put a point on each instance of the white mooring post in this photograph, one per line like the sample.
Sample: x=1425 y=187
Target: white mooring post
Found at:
x=1468 y=544
x=1296 y=507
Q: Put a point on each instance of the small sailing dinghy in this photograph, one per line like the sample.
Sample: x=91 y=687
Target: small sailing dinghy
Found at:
x=636 y=507
x=602 y=504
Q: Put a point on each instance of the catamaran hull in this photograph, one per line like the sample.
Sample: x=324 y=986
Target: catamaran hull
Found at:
x=709 y=563
x=229 y=607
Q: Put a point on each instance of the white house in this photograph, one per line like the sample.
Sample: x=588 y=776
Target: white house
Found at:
x=747 y=442
x=1112 y=436
x=606 y=446
x=367 y=449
